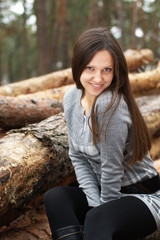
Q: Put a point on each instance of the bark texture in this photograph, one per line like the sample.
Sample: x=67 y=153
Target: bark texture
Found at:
x=155 y=150
x=15 y=113
x=138 y=58
x=145 y=82
x=157 y=165
x=150 y=109
x=141 y=83
x=32 y=160
x=54 y=93
x=35 y=84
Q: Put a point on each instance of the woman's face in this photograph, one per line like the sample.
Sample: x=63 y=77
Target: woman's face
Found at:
x=98 y=74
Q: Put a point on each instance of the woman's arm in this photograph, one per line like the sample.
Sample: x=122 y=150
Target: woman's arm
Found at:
x=111 y=151
x=85 y=176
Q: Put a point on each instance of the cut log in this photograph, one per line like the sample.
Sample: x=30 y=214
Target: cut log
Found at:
x=149 y=105
x=55 y=93
x=155 y=150
x=140 y=81
x=157 y=165
x=15 y=113
x=35 y=84
x=138 y=58
x=32 y=160
x=150 y=109
x=145 y=82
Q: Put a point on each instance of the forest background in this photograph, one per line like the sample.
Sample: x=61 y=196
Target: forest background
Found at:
x=37 y=36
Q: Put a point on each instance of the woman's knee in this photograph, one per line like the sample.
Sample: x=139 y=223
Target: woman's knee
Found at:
x=54 y=196
x=93 y=216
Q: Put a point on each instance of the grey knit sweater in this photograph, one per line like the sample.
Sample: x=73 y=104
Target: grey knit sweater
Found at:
x=102 y=169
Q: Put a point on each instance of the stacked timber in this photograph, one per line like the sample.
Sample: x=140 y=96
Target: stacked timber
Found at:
x=34 y=153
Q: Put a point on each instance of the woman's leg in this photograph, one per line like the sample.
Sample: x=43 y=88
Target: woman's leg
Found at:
x=123 y=219
x=65 y=206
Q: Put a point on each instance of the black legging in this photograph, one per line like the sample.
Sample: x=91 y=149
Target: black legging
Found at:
x=122 y=219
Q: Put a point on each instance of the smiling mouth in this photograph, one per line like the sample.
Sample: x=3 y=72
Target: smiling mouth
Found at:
x=96 y=86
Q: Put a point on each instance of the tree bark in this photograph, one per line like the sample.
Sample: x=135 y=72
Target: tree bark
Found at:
x=32 y=160
x=35 y=84
x=31 y=108
x=155 y=150
x=134 y=23
x=54 y=93
x=42 y=36
x=140 y=82
x=138 y=58
x=143 y=21
x=157 y=165
x=145 y=83
x=15 y=113
x=24 y=44
x=150 y=109
x=120 y=14
x=93 y=16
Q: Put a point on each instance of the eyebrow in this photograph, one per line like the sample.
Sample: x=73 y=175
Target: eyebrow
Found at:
x=107 y=66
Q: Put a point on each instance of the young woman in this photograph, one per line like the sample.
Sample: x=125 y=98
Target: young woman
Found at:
x=118 y=197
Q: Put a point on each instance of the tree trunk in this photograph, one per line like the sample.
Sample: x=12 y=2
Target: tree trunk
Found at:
x=42 y=37
x=150 y=109
x=15 y=113
x=51 y=4
x=138 y=58
x=35 y=84
x=144 y=83
x=141 y=83
x=31 y=108
x=120 y=12
x=24 y=40
x=1 y=74
x=60 y=53
x=32 y=160
x=143 y=20
x=155 y=150
x=93 y=17
x=134 y=24
x=54 y=93
x=1 y=44
x=64 y=32
x=157 y=166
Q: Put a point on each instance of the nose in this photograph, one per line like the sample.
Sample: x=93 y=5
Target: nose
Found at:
x=98 y=77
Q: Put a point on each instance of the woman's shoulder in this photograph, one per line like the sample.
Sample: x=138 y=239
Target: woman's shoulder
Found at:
x=104 y=100
x=70 y=92
x=70 y=97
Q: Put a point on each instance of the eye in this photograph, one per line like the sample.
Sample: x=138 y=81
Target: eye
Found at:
x=89 y=68
x=107 y=69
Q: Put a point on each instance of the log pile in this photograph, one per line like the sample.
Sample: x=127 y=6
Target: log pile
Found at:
x=137 y=59
x=32 y=159
x=34 y=153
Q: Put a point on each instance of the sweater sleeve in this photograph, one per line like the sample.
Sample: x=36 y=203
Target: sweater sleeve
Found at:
x=84 y=172
x=85 y=176
x=112 y=148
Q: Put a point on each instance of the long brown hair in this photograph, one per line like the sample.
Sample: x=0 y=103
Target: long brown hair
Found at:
x=90 y=42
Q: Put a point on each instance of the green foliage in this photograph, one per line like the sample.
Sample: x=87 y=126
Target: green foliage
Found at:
x=15 y=36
